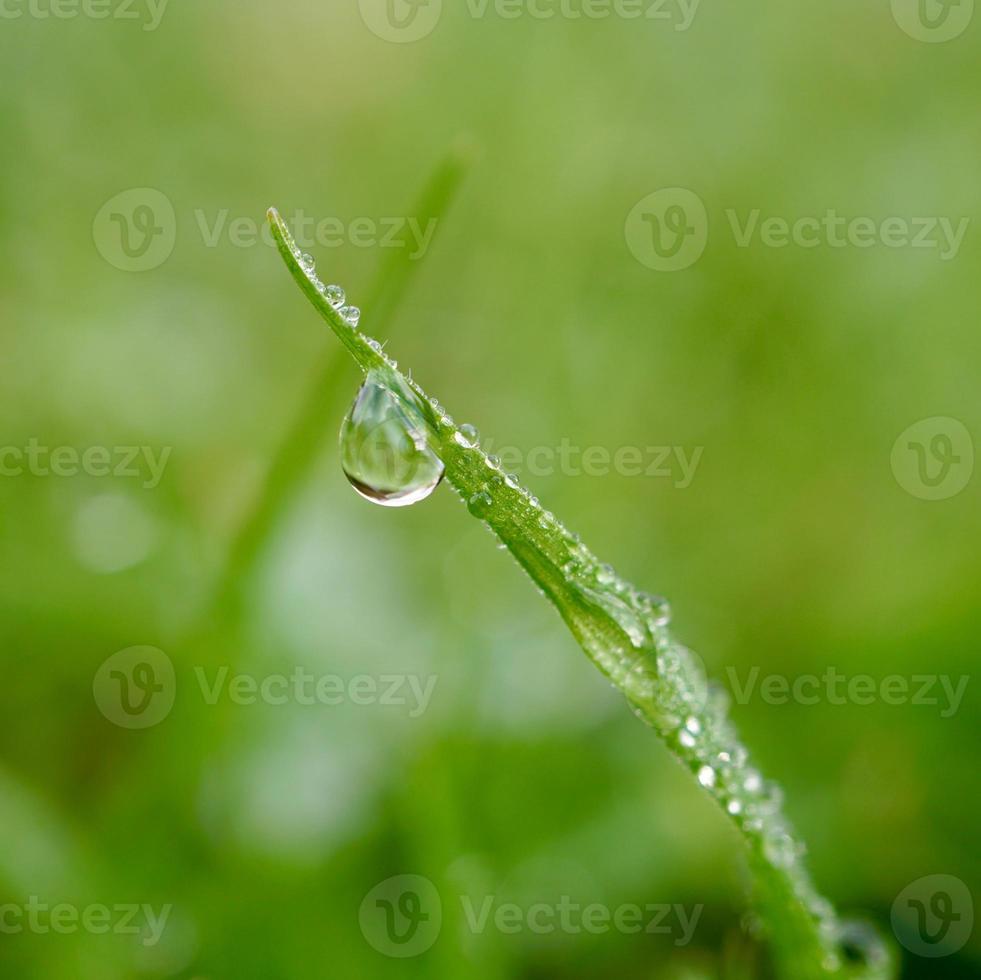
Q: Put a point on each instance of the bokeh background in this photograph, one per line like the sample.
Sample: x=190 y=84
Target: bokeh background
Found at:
x=801 y=543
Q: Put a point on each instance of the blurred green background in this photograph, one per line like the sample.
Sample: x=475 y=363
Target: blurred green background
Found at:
x=802 y=542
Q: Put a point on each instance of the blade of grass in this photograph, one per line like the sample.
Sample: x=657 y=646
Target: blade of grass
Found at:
x=625 y=633
x=296 y=455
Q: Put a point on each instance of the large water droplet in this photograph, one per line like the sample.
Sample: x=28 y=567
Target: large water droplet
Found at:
x=385 y=446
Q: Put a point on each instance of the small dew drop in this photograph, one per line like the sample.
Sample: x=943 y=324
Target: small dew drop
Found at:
x=493 y=462
x=306 y=260
x=687 y=739
x=735 y=808
x=706 y=776
x=480 y=503
x=658 y=608
x=385 y=452
x=351 y=315
x=753 y=782
x=606 y=575
x=334 y=295
x=470 y=434
x=693 y=725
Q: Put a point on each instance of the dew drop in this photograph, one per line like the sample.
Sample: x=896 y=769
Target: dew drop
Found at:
x=306 y=260
x=470 y=433
x=334 y=295
x=480 y=503
x=658 y=608
x=351 y=315
x=385 y=449
x=706 y=776
x=494 y=462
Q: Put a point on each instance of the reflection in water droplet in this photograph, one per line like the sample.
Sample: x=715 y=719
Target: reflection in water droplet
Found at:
x=385 y=449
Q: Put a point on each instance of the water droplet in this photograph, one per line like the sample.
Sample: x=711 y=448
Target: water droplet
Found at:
x=480 y=503
x=494 y=462
x=385 y=450
x=606 y=575
x=334 y=295
x=306 y=260
x=735 y=807
x=693 y=725
x=706 y=776
x=658 y=608
x=753 y=782
x=470 y=433
x=687 y=740
x=351 y=315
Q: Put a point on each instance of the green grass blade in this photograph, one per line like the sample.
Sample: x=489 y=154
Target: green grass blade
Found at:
x=626 y=634
x=297 y=453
